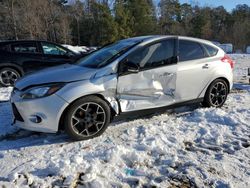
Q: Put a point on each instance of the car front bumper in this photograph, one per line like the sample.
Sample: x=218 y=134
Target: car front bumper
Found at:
x=42 y=115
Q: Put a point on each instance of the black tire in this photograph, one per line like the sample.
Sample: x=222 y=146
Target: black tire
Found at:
x=216 y=98
x=8 y=76
x=82 y=121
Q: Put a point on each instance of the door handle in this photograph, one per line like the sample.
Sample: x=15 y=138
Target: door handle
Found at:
x=206 y=66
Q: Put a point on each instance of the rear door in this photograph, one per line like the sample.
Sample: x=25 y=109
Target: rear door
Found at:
x=28 y=55
x=194 y=70
x=55 y=55
x=154 y=85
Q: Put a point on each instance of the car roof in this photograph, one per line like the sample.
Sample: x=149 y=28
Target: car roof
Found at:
x=156 y=37
x=144 y=38
x=21 y=41
x=197 y=40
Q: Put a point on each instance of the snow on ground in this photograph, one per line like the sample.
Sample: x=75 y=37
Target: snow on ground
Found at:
x=188 y=146
x=6 y=120
x=5 y=93
x=184 y=147
x=76 y=49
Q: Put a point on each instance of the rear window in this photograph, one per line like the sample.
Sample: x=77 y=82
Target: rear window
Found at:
x=211 y=50
x=189 y=50
x=29 y=47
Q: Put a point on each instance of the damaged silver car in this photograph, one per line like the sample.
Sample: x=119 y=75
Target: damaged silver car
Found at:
x=134 y=74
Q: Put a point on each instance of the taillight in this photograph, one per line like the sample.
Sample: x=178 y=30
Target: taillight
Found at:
x=227 y=59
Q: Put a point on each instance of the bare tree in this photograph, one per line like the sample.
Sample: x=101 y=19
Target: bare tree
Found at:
x=77 y=11
x=13 y=16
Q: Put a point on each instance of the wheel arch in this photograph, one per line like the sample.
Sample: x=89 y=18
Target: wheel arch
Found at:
x=18 y=68
x=203 y=92
x=226 y=80
x=62 y=117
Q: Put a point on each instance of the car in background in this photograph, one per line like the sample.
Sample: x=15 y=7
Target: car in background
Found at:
x=18 y=58
x=228 y=48
x=216 y=43
x=248 y=50
x=131 y=75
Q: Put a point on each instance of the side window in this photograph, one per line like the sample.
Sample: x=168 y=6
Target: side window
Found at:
x=189 y=50
x=52 y=49
x=27 y=47
x=155 y=55
x=211 y=50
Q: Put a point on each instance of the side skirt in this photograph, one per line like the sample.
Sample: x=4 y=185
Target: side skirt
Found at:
x=139 y=113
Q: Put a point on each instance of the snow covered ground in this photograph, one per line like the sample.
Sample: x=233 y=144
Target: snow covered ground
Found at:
x=5 y=93
x=184 y=147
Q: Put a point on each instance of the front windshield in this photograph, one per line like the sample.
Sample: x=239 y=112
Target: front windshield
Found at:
x=105 y=55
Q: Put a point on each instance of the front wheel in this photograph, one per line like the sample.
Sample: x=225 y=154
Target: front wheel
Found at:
x=8 y=76
x=87 y=118
x=216 y=94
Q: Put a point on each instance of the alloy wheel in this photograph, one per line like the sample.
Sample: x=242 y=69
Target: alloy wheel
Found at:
x=88 y=119
x=218 y=94
x=8 y=77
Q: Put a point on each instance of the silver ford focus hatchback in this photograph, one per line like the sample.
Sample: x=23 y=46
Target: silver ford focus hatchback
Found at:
x=134 y=74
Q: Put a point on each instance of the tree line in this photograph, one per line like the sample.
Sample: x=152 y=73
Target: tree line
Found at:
x=98 y=22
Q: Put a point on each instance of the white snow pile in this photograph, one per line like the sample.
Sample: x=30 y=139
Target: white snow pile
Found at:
x=80 y=49
x=5 y=93
x=76 y=49
x=184 y=147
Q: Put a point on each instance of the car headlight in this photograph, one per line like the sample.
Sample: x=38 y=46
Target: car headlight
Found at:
x=42 y=91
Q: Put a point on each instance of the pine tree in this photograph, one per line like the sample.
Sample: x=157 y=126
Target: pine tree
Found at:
x=123 y=18
x=98 y=24
x=143 y=15
x=170 y=15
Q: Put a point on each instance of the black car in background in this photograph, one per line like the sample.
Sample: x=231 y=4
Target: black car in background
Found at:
x=18 y=58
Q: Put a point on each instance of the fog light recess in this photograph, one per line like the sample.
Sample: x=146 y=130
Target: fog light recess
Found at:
x=35 y=119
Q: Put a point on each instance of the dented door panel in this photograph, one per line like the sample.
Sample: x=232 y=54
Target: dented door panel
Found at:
x=147 y=89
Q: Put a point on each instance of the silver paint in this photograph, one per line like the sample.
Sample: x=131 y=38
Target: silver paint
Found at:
x=147 y=89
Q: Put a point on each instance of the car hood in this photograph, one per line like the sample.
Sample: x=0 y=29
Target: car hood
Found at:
x=63 y=73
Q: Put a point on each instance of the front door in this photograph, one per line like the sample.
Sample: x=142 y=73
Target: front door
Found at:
x=154 y=83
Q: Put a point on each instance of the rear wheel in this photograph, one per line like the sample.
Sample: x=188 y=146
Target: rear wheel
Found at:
x=216 y=94
x=87 y=118
x=8 y=76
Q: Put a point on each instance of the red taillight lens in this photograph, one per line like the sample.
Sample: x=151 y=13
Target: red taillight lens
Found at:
x=227 y=59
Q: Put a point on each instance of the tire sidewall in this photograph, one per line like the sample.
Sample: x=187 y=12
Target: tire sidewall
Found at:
x=69 y=129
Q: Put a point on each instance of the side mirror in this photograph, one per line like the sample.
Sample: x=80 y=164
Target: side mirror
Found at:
x=131 y=67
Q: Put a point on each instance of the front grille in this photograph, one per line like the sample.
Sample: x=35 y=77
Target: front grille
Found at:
x=17 y=115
